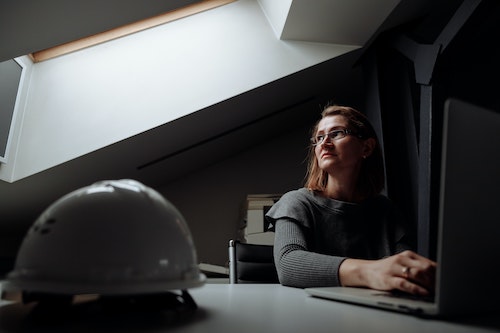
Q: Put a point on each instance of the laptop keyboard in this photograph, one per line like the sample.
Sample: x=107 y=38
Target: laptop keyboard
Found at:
x=403 y=295
x=400 y=294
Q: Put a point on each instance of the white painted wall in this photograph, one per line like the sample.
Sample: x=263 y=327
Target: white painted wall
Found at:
x=276 y=13
x=89 y=99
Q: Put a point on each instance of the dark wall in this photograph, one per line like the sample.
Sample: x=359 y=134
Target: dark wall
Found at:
x=410 y=71
x=469 y=68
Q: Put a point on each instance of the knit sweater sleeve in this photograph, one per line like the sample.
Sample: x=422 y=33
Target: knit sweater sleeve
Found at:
x=315 y=234
x=296 y=265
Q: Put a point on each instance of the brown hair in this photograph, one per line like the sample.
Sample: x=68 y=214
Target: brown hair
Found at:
x=371 y=178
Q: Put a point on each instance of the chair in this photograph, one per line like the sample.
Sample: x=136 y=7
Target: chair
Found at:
x=251 y=263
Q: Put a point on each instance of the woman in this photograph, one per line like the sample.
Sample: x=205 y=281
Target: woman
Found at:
x=339 y=230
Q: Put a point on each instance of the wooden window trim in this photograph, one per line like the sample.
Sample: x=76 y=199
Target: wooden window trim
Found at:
x=126 y=30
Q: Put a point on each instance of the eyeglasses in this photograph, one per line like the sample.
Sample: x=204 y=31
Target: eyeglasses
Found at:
x=333 y=135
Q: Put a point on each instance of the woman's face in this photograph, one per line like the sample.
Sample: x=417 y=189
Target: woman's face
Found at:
x=342 y=153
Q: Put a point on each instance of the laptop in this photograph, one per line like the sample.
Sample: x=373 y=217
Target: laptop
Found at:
x=468 y=245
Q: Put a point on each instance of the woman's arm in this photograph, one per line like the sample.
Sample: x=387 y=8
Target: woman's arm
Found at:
x=296 y=265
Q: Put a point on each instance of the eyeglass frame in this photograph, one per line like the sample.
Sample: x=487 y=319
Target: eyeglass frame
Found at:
x=328 y=135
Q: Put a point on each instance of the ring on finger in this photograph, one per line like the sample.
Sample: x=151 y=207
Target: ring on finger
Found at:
x=406 y=272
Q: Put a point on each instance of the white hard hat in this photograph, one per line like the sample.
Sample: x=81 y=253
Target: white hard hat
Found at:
x=111 y=238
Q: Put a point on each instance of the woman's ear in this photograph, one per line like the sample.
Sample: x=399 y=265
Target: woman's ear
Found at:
x=368 y=147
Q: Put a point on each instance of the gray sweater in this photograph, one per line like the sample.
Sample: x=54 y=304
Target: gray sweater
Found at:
x=314 y=234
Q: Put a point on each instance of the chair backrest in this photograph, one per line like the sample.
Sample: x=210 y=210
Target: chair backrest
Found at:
x=251 y=263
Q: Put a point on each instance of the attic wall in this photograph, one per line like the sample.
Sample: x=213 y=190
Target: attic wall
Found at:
x=95 y=97
x=208 y=181
x=212 y=199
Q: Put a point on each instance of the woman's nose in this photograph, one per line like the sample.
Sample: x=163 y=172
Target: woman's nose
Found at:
x=327 y=141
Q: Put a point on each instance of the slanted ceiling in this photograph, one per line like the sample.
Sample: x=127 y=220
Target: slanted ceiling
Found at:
x=30 y=25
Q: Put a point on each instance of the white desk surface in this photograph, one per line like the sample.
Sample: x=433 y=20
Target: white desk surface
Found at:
x=258 y=308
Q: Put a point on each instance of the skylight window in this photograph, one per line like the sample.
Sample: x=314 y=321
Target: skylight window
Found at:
x=126 y=30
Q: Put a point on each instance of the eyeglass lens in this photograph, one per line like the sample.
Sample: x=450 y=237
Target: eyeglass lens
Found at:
x=333 y=135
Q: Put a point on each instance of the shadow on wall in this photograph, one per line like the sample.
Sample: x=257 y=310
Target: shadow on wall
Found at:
x=213 y=200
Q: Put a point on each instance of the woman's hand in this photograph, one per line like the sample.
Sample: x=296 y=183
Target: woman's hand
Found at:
x=406 y=271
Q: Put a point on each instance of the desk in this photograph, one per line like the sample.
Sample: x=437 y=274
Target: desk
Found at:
x=242 y=308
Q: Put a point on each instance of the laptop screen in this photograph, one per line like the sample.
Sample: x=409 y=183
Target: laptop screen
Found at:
x=469 y=205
